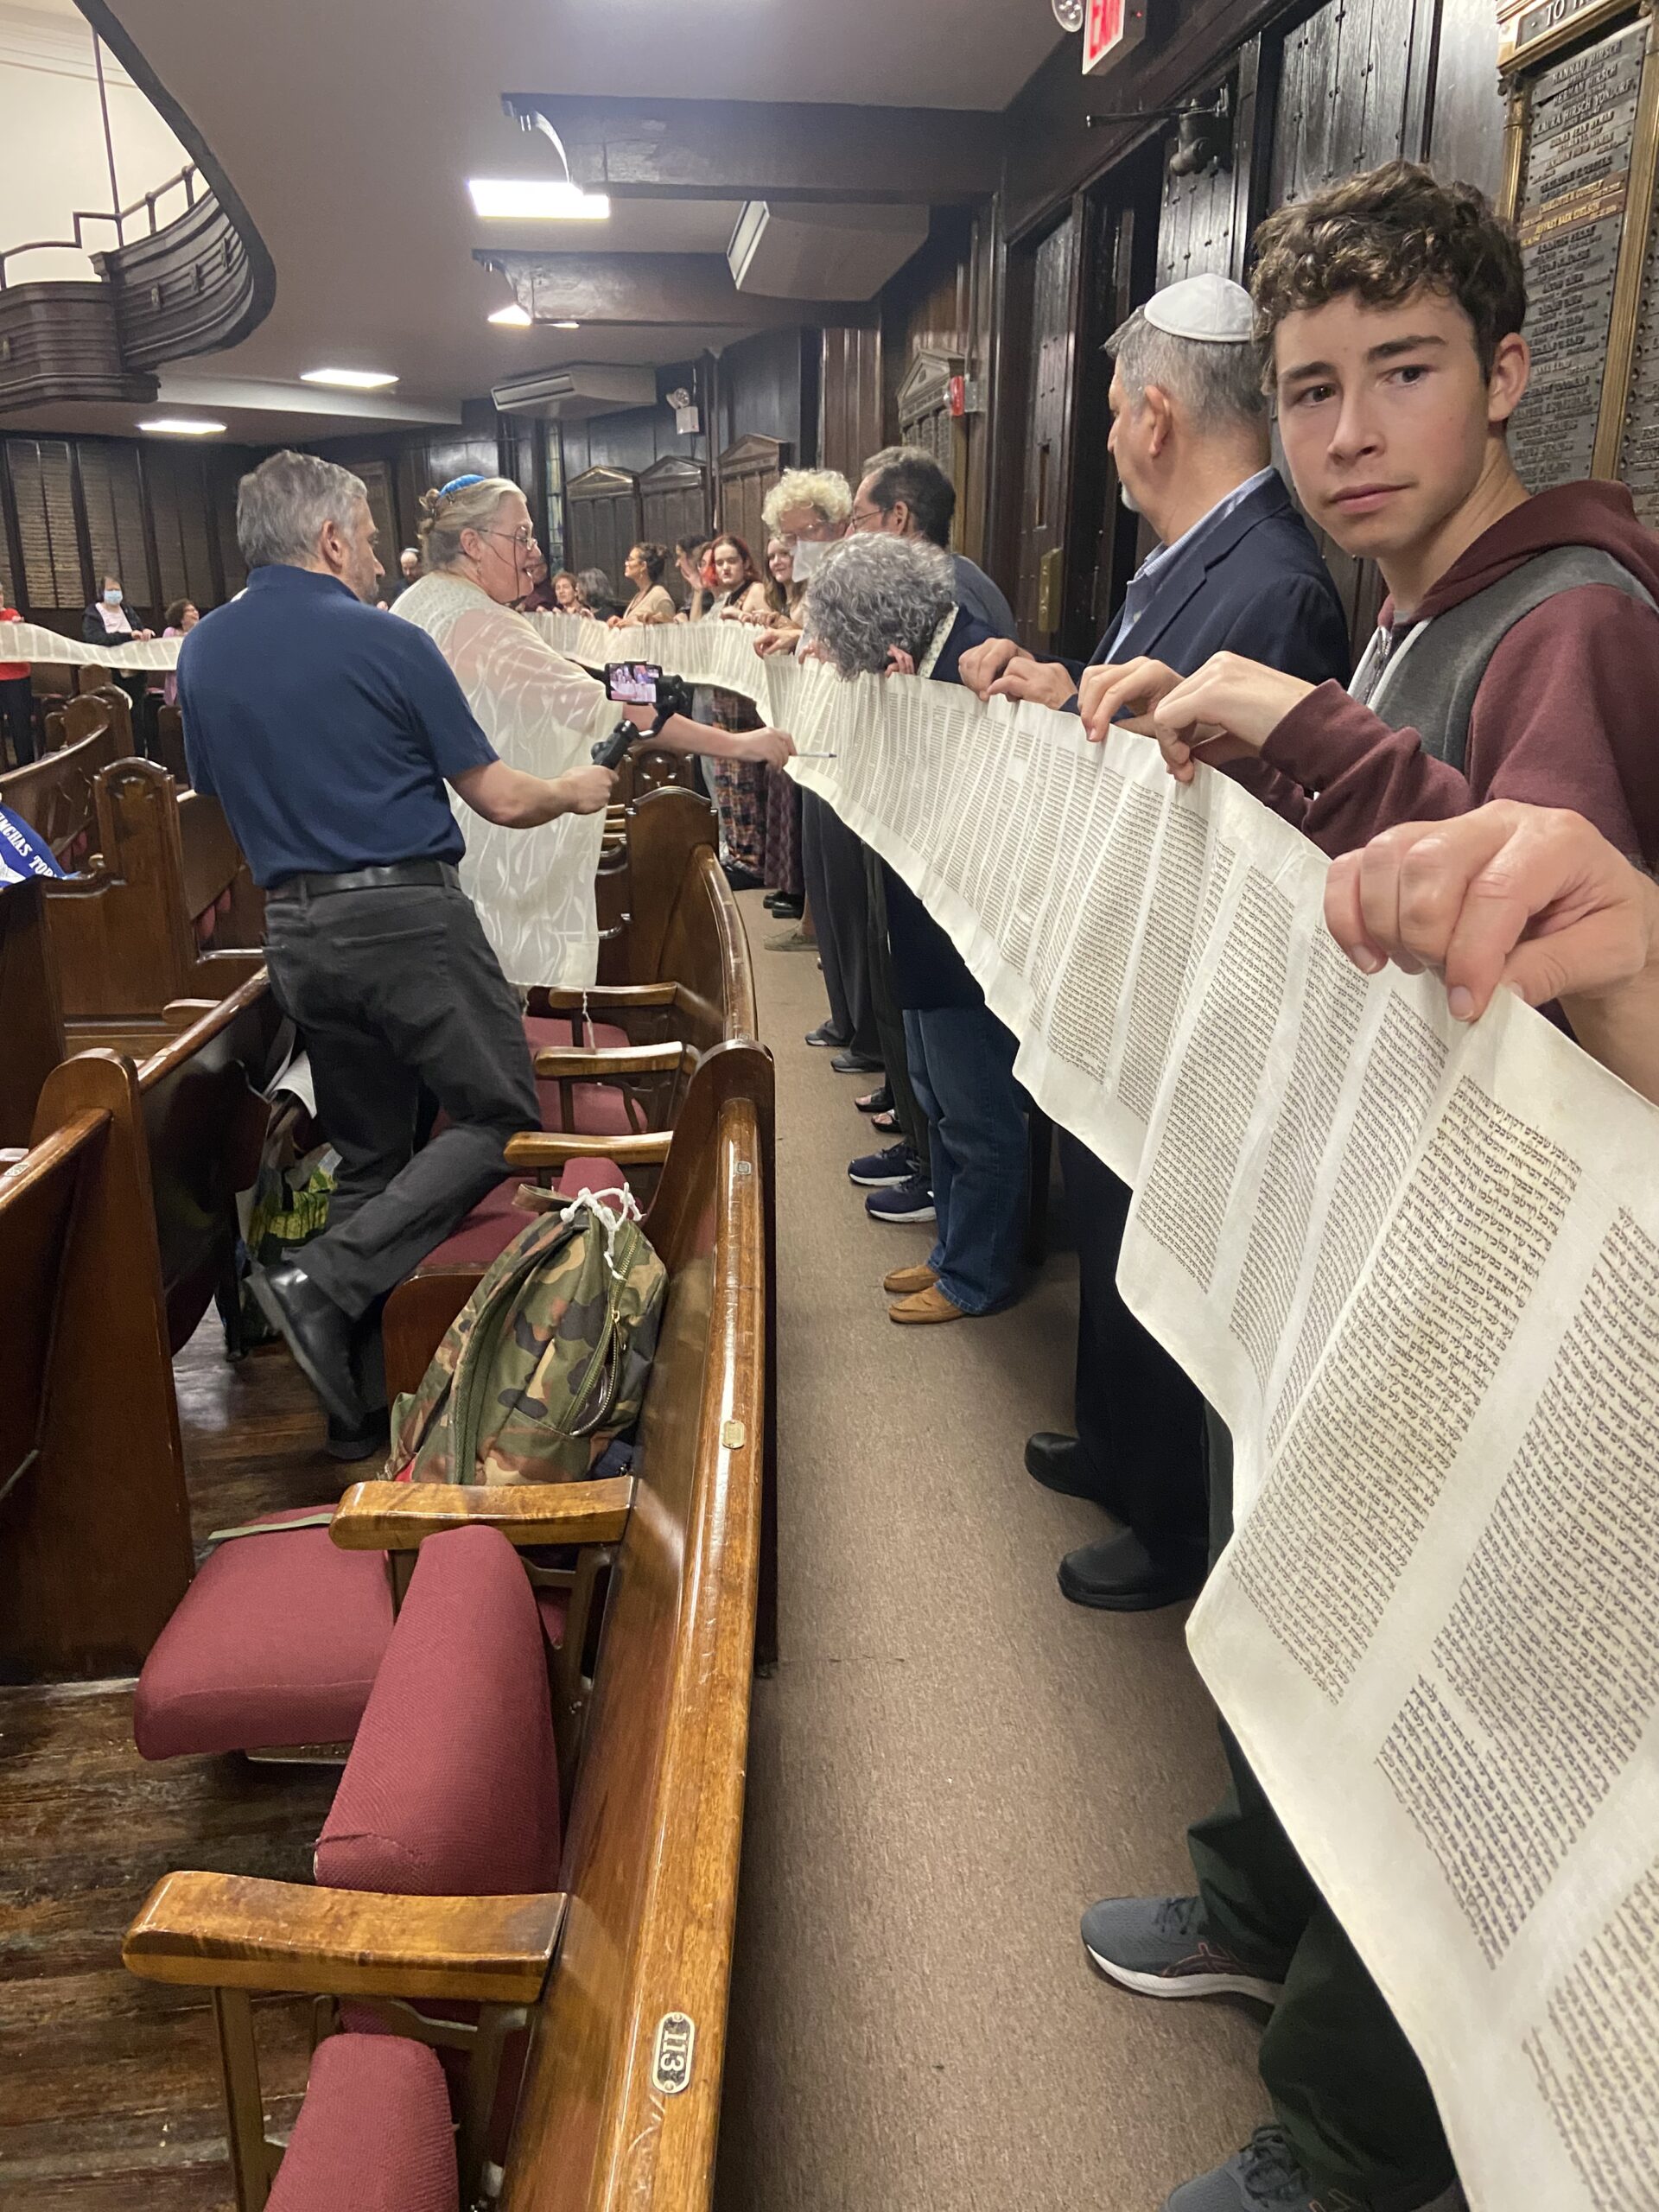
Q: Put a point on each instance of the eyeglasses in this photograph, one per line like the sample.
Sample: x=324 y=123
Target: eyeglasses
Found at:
x=523 y=539
x=867 y=518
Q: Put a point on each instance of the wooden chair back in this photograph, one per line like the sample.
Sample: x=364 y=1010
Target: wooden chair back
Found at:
x=31 y=1020
x=621 y=2098
x=94 y=1521
x=56 y=795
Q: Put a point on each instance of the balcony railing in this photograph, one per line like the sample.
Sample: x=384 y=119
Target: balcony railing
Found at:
x=148 y=206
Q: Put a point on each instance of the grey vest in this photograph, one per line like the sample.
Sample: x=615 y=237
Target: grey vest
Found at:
x=1431 y=686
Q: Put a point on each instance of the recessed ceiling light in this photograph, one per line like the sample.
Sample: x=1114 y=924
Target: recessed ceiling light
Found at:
x=182 y=426
x=350 y=379
x=567 y=326
x=551 y=199
x=513 y=317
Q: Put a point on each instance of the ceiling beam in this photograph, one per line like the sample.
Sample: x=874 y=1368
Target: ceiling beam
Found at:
x=758 y=150
x=652 y=288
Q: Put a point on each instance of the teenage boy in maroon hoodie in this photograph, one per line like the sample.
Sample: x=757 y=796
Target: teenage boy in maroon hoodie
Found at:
x=1518 y=657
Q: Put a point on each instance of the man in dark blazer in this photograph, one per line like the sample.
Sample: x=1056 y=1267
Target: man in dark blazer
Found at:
x=1235 y=570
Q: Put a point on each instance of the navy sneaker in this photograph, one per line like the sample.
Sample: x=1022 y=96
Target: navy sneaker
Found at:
x=1266 y=2175
x=1162 y=1947
x=910 y=1200
x=885 y=1170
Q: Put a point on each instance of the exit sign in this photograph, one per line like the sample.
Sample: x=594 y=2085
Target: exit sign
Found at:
x=1110 y=29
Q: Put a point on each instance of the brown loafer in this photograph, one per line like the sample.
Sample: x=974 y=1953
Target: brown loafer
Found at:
x=903 y=1280
x=929 y=1305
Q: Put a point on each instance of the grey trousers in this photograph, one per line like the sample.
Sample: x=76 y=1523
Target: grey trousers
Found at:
x=832 y=863
x=391 y=990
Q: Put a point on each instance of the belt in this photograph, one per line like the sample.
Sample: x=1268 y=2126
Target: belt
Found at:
x=396 y=875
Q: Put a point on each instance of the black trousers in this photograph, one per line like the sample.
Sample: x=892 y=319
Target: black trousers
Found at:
x=393 y=989
x=1140 y=1420
x=889 y=1016
x=1347 y=2088
x=832 y=863
x=17 y=717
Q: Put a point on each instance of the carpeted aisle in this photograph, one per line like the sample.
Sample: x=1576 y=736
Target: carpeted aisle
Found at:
x=950 y=1761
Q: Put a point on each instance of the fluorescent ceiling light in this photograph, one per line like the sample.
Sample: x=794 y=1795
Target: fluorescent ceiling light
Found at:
x=553 y=199
x=513 y=317
x=183 y=426
x=350 y=379
x=567 y=326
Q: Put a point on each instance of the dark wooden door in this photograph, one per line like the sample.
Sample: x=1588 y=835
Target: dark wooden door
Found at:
x=1051 y=343
x=602 y=520
x=1352 y=91
x=673 y=503
x=748 y=470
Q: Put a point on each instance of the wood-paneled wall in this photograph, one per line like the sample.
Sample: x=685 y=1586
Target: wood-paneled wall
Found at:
x=161 y=517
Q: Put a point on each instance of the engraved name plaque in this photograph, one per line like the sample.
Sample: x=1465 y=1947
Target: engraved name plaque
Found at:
x=1575 y=175
x=1638 y=445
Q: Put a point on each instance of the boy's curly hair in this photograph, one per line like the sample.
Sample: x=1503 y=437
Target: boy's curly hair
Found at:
x=1383 y=234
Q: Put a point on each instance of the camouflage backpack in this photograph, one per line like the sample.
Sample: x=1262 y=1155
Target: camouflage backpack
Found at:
x=547 y=1358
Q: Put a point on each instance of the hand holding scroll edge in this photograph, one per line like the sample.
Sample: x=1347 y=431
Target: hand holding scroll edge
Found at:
x=1225 y=710
x=1529 y=896
x=1123 y=694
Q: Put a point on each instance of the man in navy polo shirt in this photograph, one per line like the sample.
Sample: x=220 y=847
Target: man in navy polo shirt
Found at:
x=330 y=734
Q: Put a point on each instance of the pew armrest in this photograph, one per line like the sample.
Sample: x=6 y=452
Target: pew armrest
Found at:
x=226 y=1931
x=570 y=1063
x=552 y=1148
x=396 y=1516
x=599 y=998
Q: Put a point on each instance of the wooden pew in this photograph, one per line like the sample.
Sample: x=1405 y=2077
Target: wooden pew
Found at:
x=94 y=1523
x=124 y=933
x=98 y=705
x=620 y=2097
x=169 y=745
x=31 y=1020
x=56 y=794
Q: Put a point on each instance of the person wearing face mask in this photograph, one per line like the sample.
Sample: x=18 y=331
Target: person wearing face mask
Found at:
x=333 y=735
x=108 y=622
x=544 y=714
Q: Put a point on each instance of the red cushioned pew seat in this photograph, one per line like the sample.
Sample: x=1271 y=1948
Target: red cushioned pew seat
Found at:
x=274 y=1643
x=548 y=1032
x=495 y=1220
x=374 y=2133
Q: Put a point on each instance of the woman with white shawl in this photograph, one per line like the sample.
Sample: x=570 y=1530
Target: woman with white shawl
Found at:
x=533 y=889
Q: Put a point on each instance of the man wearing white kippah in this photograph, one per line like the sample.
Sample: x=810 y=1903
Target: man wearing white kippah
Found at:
x=1236 y=569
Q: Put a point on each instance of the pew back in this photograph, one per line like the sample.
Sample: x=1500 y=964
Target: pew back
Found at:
x=94 y=1521
x=57 y=795
x=31 y=1022
x=124 y=937
x=607 y=2119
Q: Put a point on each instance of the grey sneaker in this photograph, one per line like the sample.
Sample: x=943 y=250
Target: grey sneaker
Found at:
x=1160 y=1946
x=1267 y=2177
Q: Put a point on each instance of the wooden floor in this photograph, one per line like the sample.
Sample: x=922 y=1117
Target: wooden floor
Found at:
x=108 y=2087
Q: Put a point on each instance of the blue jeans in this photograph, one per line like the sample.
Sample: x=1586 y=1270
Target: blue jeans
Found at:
x=961 y=1070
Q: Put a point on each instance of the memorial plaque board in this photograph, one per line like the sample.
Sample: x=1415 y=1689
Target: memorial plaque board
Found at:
x=1574 y=190
x=1638 y=445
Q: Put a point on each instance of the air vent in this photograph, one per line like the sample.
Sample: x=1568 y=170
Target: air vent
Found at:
x=800 y=251
x=567 y=395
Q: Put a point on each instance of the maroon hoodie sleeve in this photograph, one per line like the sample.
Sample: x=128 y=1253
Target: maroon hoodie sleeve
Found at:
x=1565 y=716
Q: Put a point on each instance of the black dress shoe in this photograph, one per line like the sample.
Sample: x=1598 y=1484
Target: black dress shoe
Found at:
x=319 y=1334
x=342 y=1443
x=826 y=1035
x=878 y=1101
x=787 y=908
x=1120 y=1575
x=852 y=1062
x=1060 y=1463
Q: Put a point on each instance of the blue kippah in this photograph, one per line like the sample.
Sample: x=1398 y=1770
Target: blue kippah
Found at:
x=458 y=484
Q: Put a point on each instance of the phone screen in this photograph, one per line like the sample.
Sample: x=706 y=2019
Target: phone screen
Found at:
x=631 y=682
